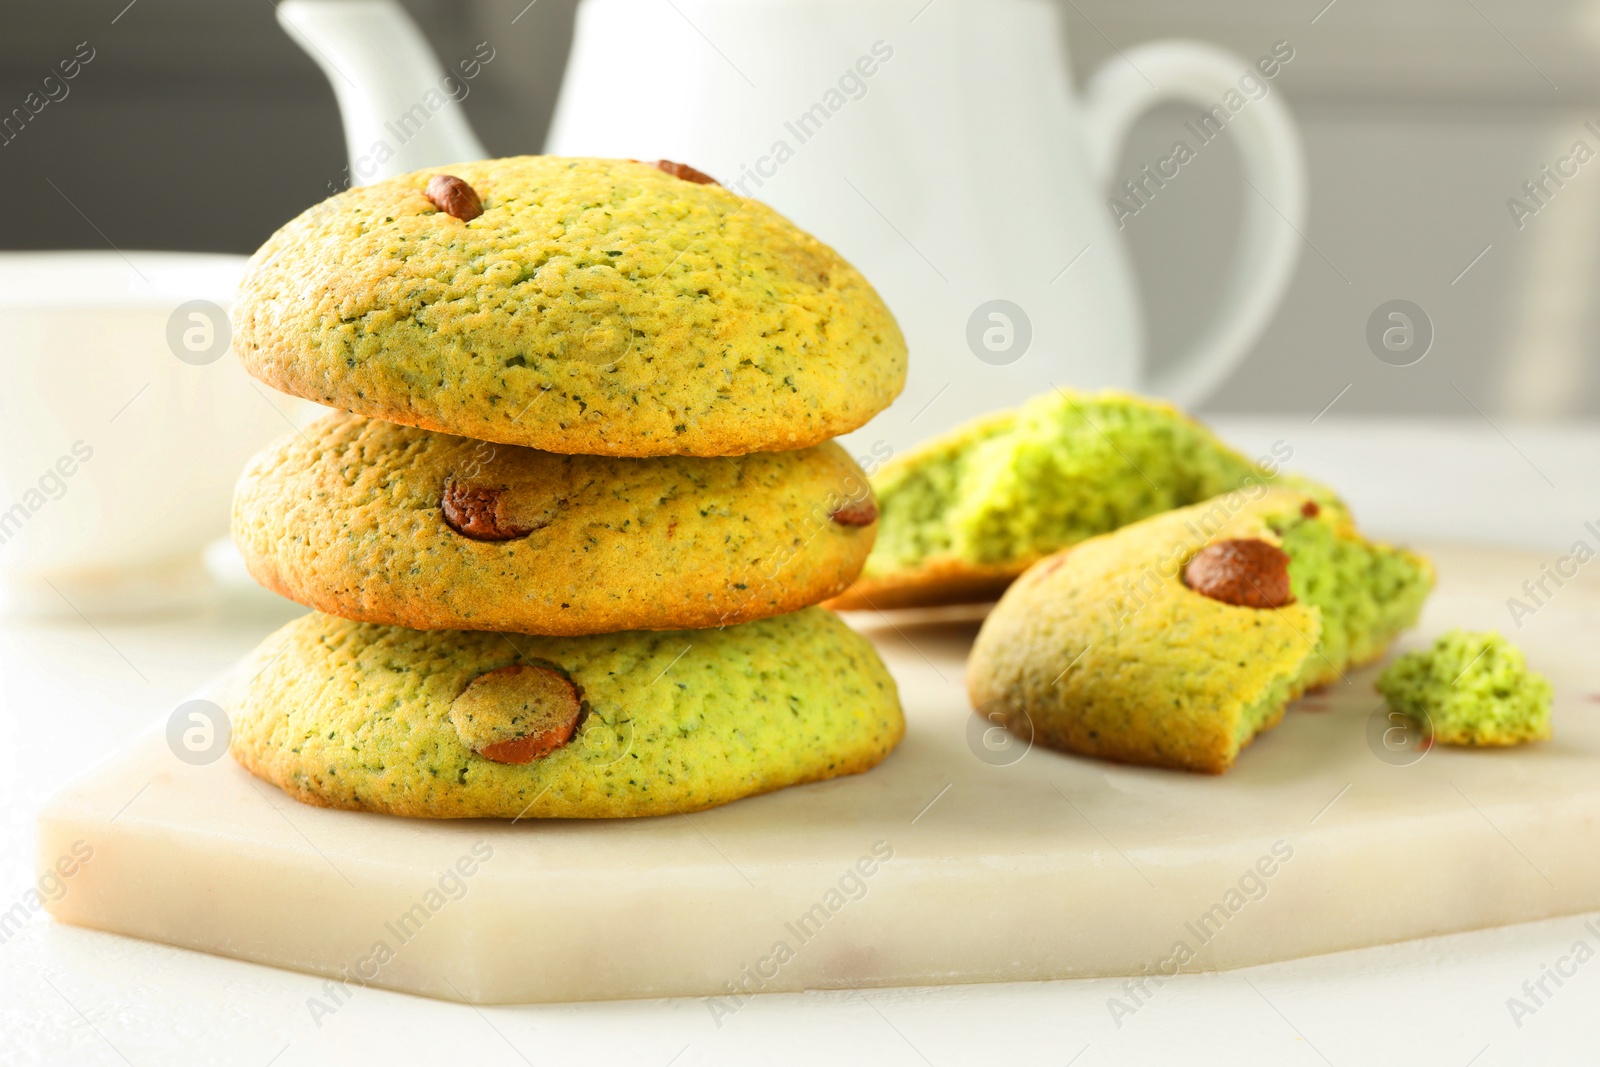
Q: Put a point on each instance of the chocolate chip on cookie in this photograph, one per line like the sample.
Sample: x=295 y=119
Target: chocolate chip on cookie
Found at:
x=1245 y=572
x=479 y=513
x=857 y=513
x=517 y=714
x=686 y=172
x=454 y=197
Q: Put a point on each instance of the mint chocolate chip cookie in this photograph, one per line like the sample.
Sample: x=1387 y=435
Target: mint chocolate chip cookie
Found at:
x=594 y=306
x=454 y=724
x=391 y=524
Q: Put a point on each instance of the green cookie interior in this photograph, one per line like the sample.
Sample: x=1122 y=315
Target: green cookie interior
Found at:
x=1062 y=468
x=1266 y=709
x=1366 y=592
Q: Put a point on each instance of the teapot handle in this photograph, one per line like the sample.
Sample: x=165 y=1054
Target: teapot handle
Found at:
x=399 y=113
x=1274 y=208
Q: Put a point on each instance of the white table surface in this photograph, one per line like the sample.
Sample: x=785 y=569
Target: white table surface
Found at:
x=71 y=693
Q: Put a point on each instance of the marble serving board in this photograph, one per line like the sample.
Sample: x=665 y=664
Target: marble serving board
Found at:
x=966 y=857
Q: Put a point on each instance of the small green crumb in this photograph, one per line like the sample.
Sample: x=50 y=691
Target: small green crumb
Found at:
x=1470 y=689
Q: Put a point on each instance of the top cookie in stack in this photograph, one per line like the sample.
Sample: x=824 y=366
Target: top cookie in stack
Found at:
x=601 y=307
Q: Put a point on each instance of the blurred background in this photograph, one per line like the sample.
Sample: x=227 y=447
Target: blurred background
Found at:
x=201 y=126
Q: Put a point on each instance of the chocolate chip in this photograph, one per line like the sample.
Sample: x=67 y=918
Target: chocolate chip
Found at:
x=454 y=197
x=1050 y=565
x=478 y=512
x=1246 y=573
x=857 y=513
x=517 y=714
x=686 y=172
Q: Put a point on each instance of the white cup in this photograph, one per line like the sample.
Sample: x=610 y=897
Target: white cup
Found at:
x=124 y=423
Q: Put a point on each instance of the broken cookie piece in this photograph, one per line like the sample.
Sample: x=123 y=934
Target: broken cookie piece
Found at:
x=967 y=512
x=1175 y=641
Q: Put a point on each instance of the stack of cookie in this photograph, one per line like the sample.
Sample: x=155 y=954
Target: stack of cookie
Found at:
x=564 y=536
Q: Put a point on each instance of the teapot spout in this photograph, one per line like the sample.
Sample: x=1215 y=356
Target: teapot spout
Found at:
x=400 y=113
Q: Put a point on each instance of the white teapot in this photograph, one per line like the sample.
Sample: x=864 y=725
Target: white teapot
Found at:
x=936 y=143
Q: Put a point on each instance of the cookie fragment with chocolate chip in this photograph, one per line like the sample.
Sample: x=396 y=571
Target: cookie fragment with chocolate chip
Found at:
x=1176 y=640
